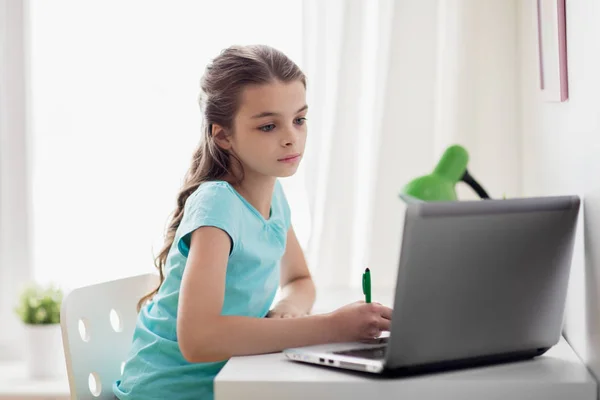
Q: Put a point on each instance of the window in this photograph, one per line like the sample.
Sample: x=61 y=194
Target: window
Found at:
x=115 y=122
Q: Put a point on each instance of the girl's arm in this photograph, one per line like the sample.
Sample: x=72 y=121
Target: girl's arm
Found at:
x=298 y=289
x=204 y=335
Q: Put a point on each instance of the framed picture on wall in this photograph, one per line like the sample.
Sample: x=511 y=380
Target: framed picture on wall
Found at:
x=552 y=49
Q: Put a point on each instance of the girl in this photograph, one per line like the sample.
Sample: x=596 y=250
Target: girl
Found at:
x=230 y=242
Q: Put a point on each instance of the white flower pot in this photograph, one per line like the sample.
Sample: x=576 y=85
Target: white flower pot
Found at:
x=44 y=351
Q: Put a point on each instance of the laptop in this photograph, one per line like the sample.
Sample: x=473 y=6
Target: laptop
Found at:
x=478 y=282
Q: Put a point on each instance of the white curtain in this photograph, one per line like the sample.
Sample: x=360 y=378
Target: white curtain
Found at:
x=116 y=121
x=345 y=58
x=391 y=85
x=15 y=255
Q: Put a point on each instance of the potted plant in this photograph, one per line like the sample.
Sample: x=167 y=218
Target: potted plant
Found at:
x=39 y=309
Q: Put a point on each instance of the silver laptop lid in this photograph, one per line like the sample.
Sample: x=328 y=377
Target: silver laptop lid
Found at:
x=480 y=278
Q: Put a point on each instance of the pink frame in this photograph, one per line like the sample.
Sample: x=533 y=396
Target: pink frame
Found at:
x=552 y=49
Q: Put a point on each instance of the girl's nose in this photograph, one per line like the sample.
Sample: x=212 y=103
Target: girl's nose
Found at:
x=289 y=138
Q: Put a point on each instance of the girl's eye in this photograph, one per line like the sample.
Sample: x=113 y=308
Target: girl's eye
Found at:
x=267 y=128
x=300 y=121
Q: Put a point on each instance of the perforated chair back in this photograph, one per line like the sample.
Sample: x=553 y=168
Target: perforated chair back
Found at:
x=97 y=324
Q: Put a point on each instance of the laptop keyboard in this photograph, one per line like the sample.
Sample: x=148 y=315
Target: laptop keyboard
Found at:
x=373 y=353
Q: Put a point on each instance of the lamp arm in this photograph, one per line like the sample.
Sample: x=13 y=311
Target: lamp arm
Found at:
x=469 y=180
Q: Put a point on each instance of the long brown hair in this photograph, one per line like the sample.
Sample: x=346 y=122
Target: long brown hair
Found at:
x=221 y=85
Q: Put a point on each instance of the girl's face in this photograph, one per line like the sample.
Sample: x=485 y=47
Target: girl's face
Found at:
x=270 y=129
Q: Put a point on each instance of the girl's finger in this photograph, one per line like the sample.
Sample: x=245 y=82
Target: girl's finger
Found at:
x=385 y=312
x=385 y=324
x=374 y=333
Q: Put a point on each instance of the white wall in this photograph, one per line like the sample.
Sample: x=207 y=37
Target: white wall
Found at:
x=561 y=155
x=476 y=91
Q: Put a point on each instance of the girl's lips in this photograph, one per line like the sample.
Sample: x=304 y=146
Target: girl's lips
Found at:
x=290 y=158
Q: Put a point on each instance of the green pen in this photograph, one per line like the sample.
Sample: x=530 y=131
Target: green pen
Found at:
x=366 y=285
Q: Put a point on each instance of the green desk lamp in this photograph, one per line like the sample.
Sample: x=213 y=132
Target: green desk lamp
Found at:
x=440 y=184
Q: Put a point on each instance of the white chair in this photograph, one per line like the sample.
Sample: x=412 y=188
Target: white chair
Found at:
x=97 y=324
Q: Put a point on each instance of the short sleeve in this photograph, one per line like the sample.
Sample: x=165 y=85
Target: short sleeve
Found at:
x=212 y=204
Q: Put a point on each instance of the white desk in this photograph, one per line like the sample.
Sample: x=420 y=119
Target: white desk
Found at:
x=557 y=375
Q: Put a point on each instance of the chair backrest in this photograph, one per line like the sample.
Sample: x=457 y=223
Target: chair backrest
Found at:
x=97 y=324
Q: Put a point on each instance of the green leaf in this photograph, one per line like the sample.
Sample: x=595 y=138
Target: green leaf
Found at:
x=39 y=304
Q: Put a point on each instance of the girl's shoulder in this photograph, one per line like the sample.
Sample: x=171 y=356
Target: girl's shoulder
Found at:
x=221 y=188
x=209 y=195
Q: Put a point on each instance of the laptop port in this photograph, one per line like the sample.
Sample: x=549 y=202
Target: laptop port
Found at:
x=330 y=361
x=321 y=360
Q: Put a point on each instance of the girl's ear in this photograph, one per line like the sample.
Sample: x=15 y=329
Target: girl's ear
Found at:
x=220 y=136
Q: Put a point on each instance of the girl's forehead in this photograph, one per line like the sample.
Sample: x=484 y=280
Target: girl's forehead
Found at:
x=276 y=97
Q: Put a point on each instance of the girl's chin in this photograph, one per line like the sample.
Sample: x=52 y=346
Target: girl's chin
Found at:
x=286 y=173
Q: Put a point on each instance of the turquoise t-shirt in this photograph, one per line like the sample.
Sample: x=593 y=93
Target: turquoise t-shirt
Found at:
x=155 y=367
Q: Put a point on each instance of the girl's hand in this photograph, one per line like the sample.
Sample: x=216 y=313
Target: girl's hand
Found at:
x=360 y=321
x=285 y=309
